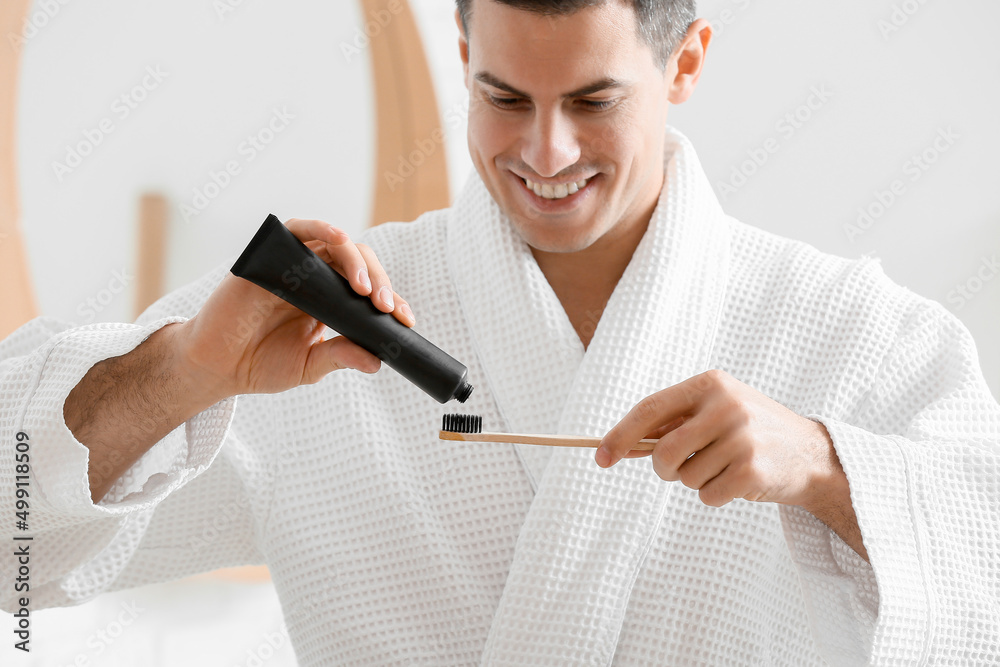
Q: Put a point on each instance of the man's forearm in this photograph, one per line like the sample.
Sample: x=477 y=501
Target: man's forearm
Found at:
x=124 y=405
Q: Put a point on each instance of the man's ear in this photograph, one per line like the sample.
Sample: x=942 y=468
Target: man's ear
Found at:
x=687 y=60
x=463 y=47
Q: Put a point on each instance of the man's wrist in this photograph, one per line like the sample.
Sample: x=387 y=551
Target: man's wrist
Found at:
x=829 y=494
x=828 y=485
x=205 y=387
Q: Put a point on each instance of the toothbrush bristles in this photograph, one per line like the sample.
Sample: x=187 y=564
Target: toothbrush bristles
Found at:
x=462 y=423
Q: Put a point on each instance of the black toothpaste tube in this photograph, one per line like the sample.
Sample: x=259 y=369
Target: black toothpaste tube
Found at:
x=283 y=265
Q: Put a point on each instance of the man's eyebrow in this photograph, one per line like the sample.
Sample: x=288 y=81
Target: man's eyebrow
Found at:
x=589 y=89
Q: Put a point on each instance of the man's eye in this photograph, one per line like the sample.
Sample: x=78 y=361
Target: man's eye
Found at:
x=598 y=105
x=504 y=102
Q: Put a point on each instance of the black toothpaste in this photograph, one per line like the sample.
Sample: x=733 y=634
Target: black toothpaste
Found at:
x=283 y=265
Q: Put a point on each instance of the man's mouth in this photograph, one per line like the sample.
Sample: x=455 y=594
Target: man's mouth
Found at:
x=560 y=191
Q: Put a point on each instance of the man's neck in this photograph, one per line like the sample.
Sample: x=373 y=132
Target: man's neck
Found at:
x=584 y=280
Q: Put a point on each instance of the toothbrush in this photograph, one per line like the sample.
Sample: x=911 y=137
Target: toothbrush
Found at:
x=469 y=428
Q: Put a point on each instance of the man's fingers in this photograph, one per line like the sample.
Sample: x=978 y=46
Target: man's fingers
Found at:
x=340 y=252
x=661 y=431
x=335 y=354
x=676 y=447
x=740 y=474
x=403 y=312
x=651 y=413
x=721 y=489
x=655 y=434
x=355 y=261
x=637 y=453
x=702 y=466
x=316 y=230
x=382 y=295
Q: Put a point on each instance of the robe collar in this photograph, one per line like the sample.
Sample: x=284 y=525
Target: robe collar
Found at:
x=588 y=529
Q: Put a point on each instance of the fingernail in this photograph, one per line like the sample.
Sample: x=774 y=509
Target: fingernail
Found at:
x=405 y=309
x=603 y=457
x=363 y=277
x=386 y=295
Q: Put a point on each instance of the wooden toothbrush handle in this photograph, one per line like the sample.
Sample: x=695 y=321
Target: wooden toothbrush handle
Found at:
x=644 y=445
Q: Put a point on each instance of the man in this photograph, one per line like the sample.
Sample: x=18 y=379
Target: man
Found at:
x=824 y=488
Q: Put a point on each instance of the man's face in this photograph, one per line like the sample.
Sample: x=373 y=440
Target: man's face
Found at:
x=566 y=121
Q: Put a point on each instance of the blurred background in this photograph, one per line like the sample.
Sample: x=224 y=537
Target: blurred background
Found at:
x=142 y=144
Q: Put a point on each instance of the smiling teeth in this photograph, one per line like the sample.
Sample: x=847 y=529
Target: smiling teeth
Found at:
x=555 y=191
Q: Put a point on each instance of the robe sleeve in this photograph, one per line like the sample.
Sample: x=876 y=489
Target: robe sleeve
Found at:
x=182 y=508
x=922 y=456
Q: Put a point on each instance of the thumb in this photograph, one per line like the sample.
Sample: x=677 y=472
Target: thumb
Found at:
x=335 y=354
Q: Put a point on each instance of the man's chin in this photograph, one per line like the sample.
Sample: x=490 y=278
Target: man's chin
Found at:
x=556 y=236
x=553 y=240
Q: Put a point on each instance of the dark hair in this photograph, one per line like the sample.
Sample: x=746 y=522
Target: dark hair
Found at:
x=662 y=24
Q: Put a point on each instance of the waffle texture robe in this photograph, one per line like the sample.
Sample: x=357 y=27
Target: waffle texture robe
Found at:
x=388 y=546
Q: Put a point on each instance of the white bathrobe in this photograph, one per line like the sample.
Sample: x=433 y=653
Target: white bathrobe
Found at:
x=388 y=546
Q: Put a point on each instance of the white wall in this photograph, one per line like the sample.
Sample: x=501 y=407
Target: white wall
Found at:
x=226 y=74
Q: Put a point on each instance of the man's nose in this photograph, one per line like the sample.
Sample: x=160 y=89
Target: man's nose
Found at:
x=551 y=145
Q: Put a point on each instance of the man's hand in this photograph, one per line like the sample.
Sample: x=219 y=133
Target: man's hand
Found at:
x=243 y=340
x=727 y=440
x=246 y=340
